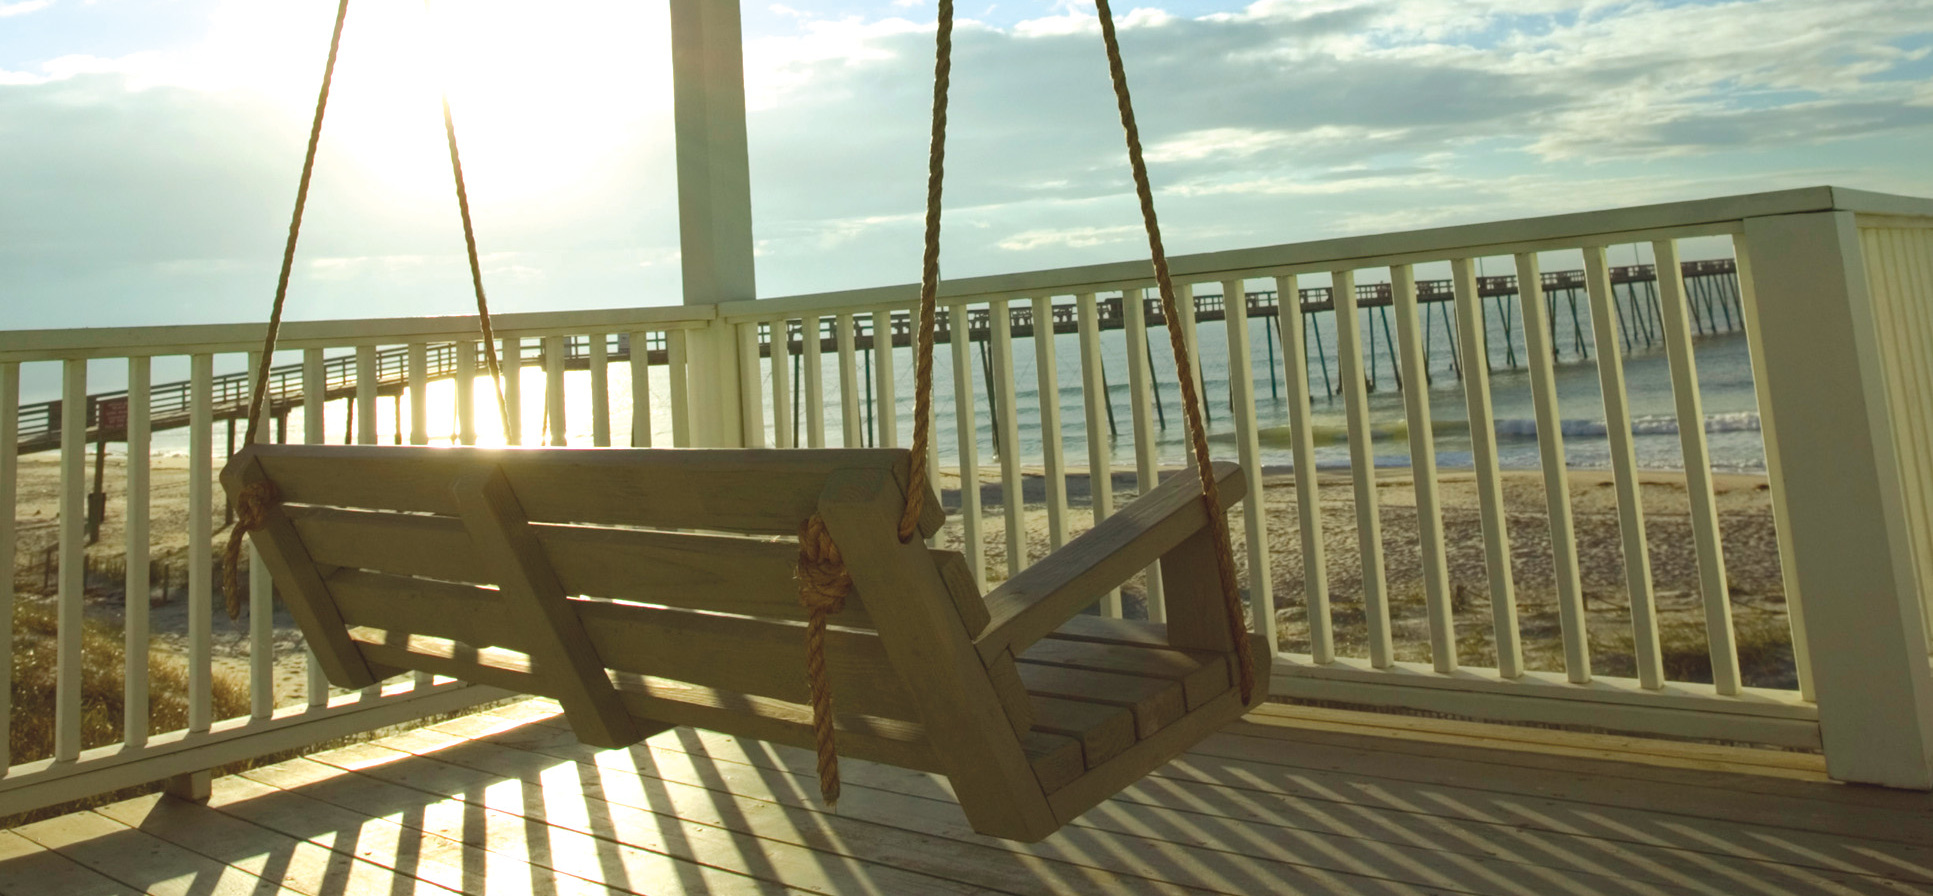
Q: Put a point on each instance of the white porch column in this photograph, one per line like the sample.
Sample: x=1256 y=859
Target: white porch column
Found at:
x=714 y=202
x=1840 y=497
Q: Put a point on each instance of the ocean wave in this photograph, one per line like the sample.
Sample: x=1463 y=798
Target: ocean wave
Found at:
x=1656 y=425
x=1513 y=428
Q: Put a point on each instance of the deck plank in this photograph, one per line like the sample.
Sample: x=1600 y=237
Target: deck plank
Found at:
x=1288 y=800
x=1891 y=816
x=1190 y=854
x=573 y=816
x=29 y=869
x=143 y=861
x=637 y=786
x=388 y=844
x=511 y=837
x=300 y=865
x=1668 y=863
x=1784 y=852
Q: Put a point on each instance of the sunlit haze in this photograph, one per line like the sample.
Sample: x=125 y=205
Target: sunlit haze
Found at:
x=149 y=150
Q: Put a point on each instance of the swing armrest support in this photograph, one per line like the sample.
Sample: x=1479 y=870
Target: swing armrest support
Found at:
x=1031 y=605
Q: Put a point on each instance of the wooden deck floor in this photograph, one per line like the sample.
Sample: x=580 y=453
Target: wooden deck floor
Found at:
x=1291 y=800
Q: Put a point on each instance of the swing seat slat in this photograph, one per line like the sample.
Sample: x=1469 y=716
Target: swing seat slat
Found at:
x=645 y=589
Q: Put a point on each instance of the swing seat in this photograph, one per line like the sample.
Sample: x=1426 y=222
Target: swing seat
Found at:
x=644 y=589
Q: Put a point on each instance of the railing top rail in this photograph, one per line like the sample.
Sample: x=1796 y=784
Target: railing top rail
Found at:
x=123 y=342
x=1715 y=216
x=1719 y=215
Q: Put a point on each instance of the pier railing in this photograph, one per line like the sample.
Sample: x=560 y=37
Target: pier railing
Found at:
x=1833 y=289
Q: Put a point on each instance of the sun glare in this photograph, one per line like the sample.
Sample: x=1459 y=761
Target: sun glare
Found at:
x=543 y=100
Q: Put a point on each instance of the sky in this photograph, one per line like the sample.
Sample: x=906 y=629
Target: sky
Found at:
x=149 y=149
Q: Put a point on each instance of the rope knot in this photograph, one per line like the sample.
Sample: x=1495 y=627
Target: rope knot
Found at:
x=823 y=586
x=251 y=513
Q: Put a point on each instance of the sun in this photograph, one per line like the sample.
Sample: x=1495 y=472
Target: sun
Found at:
x=545 y=98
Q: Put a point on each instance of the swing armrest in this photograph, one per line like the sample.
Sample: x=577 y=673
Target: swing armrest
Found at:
x=1031 y=605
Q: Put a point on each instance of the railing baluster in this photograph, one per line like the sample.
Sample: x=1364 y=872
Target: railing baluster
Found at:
x=1007 y=423
x=1483 y=455
x=1422 y=464
x=1147 y=460
x=885 y=406
x=1185 y=307
x=1315 y=569
x=1362 y=468
x=967 y=439
x=201 y=535
x=854 y=432
x=554 y=389
x=513 y=388
x=640 y=389
x=1557 y=493
x=261 y=590
x=1713 y=591
x=315 y=393
x=466 y=391
x=781 y=330
x=366 y=385
x=600 y=390
x=9 y=539
x=1624 y=469
x=134 y=724
x=419 y=402
x=1241 y=385
x=1100 y=462
x=1052 y=450
x=812 y=372
x=678 y=356
x=751 y=404
x=72 y=577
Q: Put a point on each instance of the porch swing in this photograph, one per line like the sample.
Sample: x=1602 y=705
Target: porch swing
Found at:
x=643 y=588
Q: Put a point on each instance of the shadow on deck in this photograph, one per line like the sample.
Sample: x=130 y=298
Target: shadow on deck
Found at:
x=1292 y=799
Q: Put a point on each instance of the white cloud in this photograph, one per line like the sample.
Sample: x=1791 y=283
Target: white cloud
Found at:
x=1071 y=237
x=1277 y=121
x=23 y=7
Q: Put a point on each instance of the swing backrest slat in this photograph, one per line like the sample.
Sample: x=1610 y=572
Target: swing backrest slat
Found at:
x=710 y=615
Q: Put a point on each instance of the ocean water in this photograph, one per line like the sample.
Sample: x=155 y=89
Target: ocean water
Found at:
x=1725 y=388
x=1723 y=363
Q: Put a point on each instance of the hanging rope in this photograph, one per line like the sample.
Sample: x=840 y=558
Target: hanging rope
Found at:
x=251 y=513
x=929 y=280
x=1190 y=401
x=823 y=586
x=476 y=269
x=244 y=521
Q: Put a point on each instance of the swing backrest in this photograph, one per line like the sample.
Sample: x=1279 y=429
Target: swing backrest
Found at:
x=674 y=570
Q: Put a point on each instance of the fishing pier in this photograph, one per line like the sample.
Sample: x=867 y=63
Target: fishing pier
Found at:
x=1711 y=293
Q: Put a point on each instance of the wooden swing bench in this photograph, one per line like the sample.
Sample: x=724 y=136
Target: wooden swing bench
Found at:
x=644 y=589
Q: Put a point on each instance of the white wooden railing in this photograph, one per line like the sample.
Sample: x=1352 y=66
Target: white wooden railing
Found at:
x=1836 y=289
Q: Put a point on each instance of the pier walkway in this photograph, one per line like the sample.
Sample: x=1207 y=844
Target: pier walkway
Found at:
x=1711 y=290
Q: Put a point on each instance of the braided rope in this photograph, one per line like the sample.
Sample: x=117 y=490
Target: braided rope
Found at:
x=476 y=269
x=823 y=586
x=266 y=362
x=1190 y=401
x=295 y=228
x=929 y=279
x=251 y=513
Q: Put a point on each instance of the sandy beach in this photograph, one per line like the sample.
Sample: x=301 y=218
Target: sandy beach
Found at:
x=39 y=531
x=1750 y=552
x=1751 y=562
